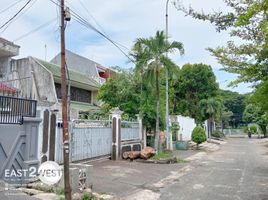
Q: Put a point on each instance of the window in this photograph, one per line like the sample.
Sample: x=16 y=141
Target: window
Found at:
x=77 y=94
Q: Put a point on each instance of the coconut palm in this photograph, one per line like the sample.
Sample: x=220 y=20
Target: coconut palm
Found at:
x=210 y=108
x=149 y=54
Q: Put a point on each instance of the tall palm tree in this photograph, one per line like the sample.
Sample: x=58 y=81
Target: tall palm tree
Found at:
x=149 y=54
x=210 y=108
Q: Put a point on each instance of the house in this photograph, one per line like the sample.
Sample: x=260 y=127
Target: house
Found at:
x=18 y=122
x=7 y=51
x=86 y=66
x=40 y=80
x=46 y=86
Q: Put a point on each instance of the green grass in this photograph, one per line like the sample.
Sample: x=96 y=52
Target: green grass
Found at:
x=59 y=191
x=181 y=161
x=88 y=196
x=162 y=155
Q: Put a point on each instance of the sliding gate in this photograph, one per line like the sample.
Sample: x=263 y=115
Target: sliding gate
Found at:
x=88 y=140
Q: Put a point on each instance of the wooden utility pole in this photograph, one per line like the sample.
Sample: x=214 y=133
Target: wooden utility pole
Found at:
x=67 y=188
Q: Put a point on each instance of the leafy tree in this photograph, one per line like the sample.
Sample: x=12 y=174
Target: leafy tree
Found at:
x=122 y=92
x=247 y=20
x=253 y=114
x=195 y=82
x=199 y=135
x=210 y=108
x=235 y=103
x=260 y=96
x=150 y=57
x=226 y=117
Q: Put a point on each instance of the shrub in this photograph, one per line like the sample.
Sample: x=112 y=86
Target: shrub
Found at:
x=253 y=129
x=199 y=135
x=246 y=130
x=218 y=134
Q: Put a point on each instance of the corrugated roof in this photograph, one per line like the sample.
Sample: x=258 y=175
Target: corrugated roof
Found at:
x=84 y=106
x=74 y=76
x=6 y=88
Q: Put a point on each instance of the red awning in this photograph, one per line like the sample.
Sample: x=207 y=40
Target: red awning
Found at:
x=6 y=88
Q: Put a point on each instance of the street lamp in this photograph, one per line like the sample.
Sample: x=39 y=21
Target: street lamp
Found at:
x=169 y=137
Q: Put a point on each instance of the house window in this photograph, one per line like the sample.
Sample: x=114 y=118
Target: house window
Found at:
x=77 y=94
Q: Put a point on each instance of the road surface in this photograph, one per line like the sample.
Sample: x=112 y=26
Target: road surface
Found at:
x=238 y=171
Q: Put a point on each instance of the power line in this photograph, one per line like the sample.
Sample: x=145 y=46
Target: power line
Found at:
x=18 y=16
x=15 y=14
x=34 y=30
x=94 y=19
x=10 y=6
x=88 y=25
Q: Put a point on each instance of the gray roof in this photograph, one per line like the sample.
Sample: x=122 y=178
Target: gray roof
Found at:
x=77 y=79
x=78 y=63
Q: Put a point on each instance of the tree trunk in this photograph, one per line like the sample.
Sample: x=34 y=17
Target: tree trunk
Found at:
x=264 y=131
x=131 y=155
x=157 y=143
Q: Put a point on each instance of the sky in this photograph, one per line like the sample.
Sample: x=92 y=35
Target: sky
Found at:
x=123 y=21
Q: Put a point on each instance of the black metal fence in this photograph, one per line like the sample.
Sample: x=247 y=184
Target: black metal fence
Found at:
x=12 y=109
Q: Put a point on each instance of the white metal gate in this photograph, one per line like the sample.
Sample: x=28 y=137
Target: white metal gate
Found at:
x=88 y=139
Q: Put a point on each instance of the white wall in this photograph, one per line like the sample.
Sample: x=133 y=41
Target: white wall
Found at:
x=187 y=124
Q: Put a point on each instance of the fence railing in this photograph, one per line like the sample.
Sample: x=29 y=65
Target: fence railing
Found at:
x=129 y=130
x=12 y=109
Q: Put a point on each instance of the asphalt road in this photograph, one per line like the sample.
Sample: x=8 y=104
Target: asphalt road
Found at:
x=238 y=171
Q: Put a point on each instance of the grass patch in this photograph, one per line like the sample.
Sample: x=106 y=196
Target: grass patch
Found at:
x=88 y=196
x=162 y=155
x=182 y=161
x=59 y=191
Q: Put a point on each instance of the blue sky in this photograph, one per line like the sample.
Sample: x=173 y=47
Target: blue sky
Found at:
x=123 y=21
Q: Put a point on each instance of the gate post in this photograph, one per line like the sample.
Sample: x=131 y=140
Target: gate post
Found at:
x=116 y=133
x=142 y=134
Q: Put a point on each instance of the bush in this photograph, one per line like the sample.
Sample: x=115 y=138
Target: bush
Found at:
x=246 y=130
x=218 y=134
x=199 y=135
x=253 y=129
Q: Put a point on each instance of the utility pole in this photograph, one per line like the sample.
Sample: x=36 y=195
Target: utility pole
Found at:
x=169 y=135
x=67 y=188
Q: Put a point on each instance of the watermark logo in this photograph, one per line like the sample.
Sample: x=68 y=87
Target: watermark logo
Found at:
x=49 y=172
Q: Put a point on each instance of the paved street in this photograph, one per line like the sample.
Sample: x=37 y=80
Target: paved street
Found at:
x=239 y=170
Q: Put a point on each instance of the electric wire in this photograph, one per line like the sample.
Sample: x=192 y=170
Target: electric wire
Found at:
x=88 y=25
x=15 y=14
x=91 y=27
x=10 y=6
x=102 y=29
x=18 y=17
x=34 y=30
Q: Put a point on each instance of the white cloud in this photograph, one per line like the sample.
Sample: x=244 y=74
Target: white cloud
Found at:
x=123 y=21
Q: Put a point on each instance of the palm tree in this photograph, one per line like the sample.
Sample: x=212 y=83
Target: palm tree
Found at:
x=149 y=54
x=209 y=108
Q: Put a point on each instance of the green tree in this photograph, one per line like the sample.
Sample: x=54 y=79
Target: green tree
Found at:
x=122 y=92
x=195 y=82
x=210 y=108
x=253 y=114
x=150 y=57
x=235 y=103
x=247 y=21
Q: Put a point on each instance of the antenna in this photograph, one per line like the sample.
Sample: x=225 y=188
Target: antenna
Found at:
x=45 y=52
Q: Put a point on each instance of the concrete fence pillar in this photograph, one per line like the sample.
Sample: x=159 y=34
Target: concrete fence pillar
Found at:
x=116 y=134
x=142 y=133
